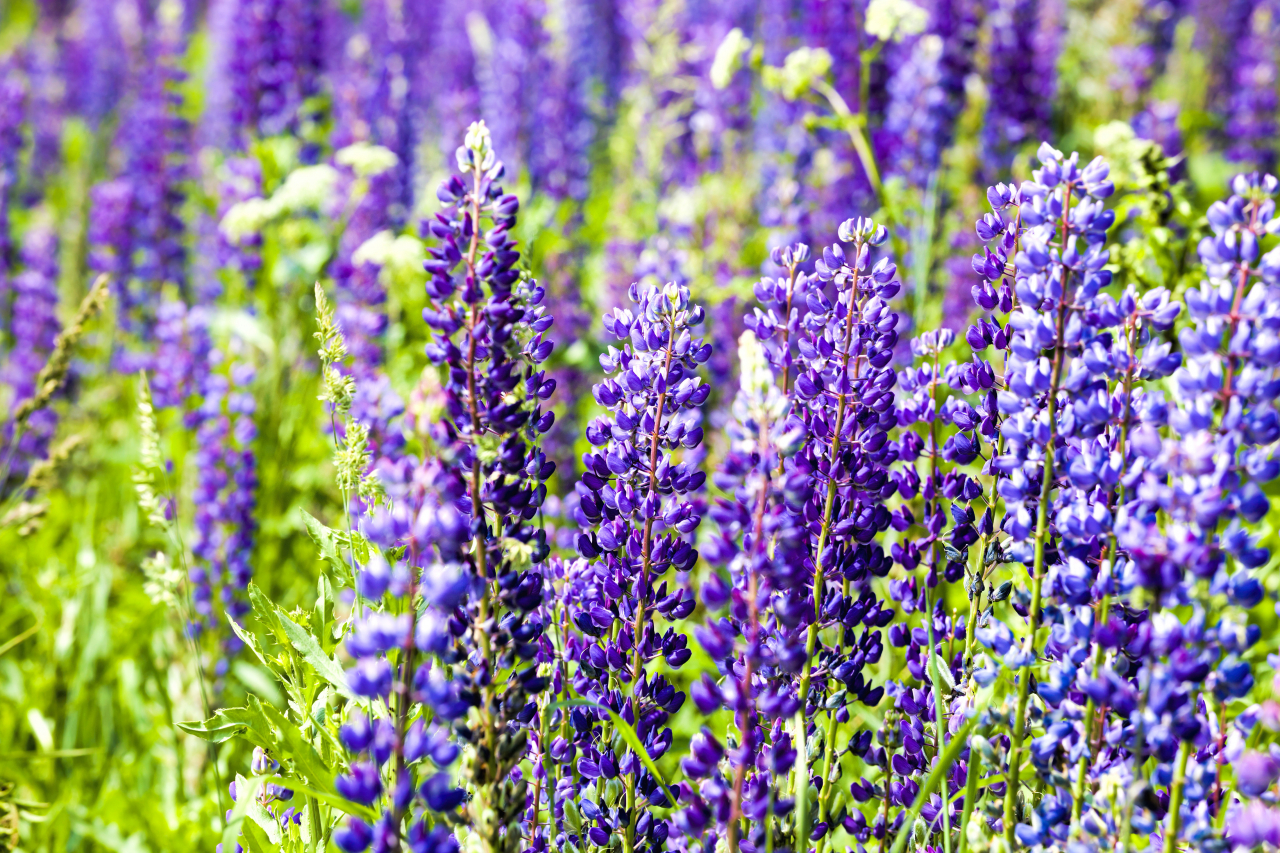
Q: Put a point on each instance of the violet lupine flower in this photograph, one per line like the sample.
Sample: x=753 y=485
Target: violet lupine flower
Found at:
x=593 y=81
x=225 y=500
x=927 y=93
x=491 y=341
x=1055 y=226
x=1206 y=479
x=13 y=98
x=34 y=329
x=268 y=57
x=844 y=387
x=1093 y=448
x=638 y=510
x=761 y=541
x=183 y=354
x=95 y=60
x=272 y=797
x=939 y=654
x=1253 y=102
x=47 y=93
x=399 y=763
x=1209 y=480
x=1022 y=76
x=1142 y=61
x=136 y=231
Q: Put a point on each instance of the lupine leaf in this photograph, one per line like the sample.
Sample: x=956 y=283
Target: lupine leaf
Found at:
x=311 y=652
x=249 y=723
x=633 y=740
x=246 y=792
x=327 y=540
x=330 y=797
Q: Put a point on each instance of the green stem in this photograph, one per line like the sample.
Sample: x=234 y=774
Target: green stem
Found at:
x=970 y=796
x=939 y=704
x=1139 y=776
x=1037 y=573
x=939 y=722
x=1176 y=789
x=811 y=640
x=802 y=780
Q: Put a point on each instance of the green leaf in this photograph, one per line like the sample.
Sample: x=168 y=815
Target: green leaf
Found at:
x=249 y=639
x=633 y=740
x=266 y=610
x=296 y=746
x=246 y=793
x=311 y=652
x=249 y=723
x=943 y=671
x=330 y=797
x=322 y=615
x=255 y=837
x=327 y=540
x=261 y=819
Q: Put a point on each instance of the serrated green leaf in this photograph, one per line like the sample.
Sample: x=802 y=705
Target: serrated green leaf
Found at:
x=266 y=610
x=249 y=639
x=324 y=666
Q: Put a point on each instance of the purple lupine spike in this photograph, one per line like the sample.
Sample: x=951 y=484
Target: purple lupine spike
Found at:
x=387 y=649
x=638 y=511
x=1253 y=101
x=45 y=110
x=844 y=387
x=34 y=329
x=268 y=56
x=926 y=95
x=1205 y=478
x=225 y=497
x=95 y=60
x=136 y=231
x=491 y=335
x=761 y=540
x=13 y=98
x=1052 y=231
x=183 y=353
x=1022 y=76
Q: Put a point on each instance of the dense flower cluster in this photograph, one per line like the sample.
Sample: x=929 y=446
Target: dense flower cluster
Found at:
x=34 y=329
x=137 y=233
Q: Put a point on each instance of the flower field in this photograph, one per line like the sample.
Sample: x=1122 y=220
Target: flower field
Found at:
x=623 y=426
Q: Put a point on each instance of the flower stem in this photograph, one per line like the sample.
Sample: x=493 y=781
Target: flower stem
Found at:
x=1176 y=788
x=970 y=796
x=811 y=641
